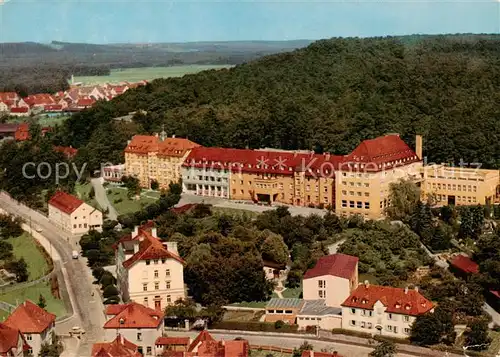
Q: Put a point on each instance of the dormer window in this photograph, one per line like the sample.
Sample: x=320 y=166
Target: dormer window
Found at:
x=364 y=301
x=398 y=306
x=148 y=262
x=407 y=307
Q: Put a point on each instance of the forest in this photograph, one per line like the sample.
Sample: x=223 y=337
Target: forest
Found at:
x=328 y=97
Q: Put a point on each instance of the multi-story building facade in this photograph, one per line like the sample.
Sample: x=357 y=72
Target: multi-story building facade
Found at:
x=459 y=185
x=383 y=310
x=137 y=324
x=36 y=325
x=332 y=279
x=73 y=215
x=156 y=158
x=149 y=271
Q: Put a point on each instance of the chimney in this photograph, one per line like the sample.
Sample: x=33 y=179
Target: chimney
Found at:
x=135 y=233
x=172 y=247
x=173 y=136
x=153 y=232
x=136 y=247
x=129 y=141
x=416 y=289
x=156 y=134
x=121 y=339
x=418 y=146
x=406 y=290
x=327 y=156
x=367 y=283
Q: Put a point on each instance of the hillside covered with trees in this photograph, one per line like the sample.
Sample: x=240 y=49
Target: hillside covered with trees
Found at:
x=329 y=96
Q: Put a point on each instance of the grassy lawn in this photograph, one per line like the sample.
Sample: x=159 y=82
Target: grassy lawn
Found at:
x=495 y=343
x=32 y=293
x=255 y=304
x=3 y=314
x=82 y=191
x=146 y=73
x=243 y=316
x=26 y=247
x=234 y=212
x=122 y=204
x=292 y=293
x=364 y=276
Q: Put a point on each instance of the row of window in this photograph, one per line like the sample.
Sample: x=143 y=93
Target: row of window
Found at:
x=309 y=318
x=146 y=300
x=287 y=312
x=80 y=225
x=369 y=325
x=140 y=349
x=452 y=187
x=457 y=178
x=156 y=261
x=356 y=184
x=463 y=199
x=156 y=284
x=156 y=273
x=358 y=204
x=358 y=193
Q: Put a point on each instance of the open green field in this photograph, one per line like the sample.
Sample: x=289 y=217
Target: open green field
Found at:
x=122 y=204
x=32 y=293
x=26 y=247
x=146 y=73
x=82 y=191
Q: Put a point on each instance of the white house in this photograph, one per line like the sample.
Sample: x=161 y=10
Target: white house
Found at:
x=73 y=215
x=149 y=271
x=12 y=343
x=383 y=310
x=332 y=279
x=137 y=324
x=36 y=325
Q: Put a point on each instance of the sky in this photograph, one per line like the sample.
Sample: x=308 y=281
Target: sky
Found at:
x=149 y=21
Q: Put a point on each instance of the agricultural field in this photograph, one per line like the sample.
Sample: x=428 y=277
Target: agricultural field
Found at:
x=146 y=73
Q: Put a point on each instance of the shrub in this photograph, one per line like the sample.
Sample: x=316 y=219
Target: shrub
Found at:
x=253 y=326
x=380 y=338
x=109 y=291
x=340 y=331
x=278 y=324
x=112 y=300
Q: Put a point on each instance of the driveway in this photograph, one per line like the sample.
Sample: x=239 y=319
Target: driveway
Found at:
x=102 y=198
x=88 y=313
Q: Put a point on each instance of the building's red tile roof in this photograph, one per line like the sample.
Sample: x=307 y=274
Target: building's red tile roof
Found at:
x=319 y=354
x=65 y=202
x=167 y=341
x=120 y=347
x=134 y=315
x=29 y=318
x=202 y=337
x=85 y=102
x=9 y=338
x=53 y=108
x=150 y=248
x=396 y=300
x=341 y=265
x=19 y=110
x=465 y=264
x=40 y=100
x=386 y=149
x=184 y=208
x=22 y=132
x=69 y=151
x=8 y=96
x=235 y=348
x=170 y=147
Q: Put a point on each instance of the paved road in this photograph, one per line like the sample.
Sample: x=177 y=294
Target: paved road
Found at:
x=88 y=313
x=246 y=205
x=290 y=342
x=102 y=198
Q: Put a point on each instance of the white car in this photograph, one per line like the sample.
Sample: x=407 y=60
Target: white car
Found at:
x=38 y=229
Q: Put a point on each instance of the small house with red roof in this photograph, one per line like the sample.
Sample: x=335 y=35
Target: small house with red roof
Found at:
x=73 y=215
x=149 y=271
x=383 y=310
x=137 y=324
x=36 y=325
x=12 y=342
x=173 y=344
x=332 y=279
x=119 y=347
x=20 y=111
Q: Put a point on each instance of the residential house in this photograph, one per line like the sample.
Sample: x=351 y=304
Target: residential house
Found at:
x=8 y=130
x=156 y=158
x=12 y=342
x=119 y=347
x=20 y=111
x=23 y=132
x=39 y=101
x=36 y=325
x=316 y=313
x=73 y=215
x=7 y=97
x=204 y=345
x=84 y=103
x=383 y=310
x=149 y=271
x=113 y=173
x=54 y=108
x=332 y=279
x=173 y=344
x=136 y=323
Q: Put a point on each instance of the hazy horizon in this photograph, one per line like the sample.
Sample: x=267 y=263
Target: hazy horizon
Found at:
x=154 y=21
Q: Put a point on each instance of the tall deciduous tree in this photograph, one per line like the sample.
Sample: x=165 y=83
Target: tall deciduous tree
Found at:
x=384 y=349
x=404 y=196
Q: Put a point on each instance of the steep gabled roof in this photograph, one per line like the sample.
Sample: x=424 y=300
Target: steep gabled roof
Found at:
x=465 y=264
x=150 y=248
x=175 y=147
x=134 y=315
x=120 y=347
x=9 y=338
x=396 y=300
x=65 y=202
x=341 y=265
x=202 y=337
x=30 y=318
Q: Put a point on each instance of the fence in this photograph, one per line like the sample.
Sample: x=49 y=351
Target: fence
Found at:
x=6 y=306
x=17 y=286
x=271 y=349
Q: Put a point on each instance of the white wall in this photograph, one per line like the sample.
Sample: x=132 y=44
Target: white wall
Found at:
x=79 y=221
x=36 y=340
x=337 y=289
x=327 y=322
x=148 y=337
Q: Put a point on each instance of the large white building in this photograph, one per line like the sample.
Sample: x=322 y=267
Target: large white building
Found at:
x=149 y=271
x=73 y=215
x=383 y=310
x=136 y=323
x=36 y=325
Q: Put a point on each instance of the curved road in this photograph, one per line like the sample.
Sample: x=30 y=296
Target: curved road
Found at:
x=89 y=313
